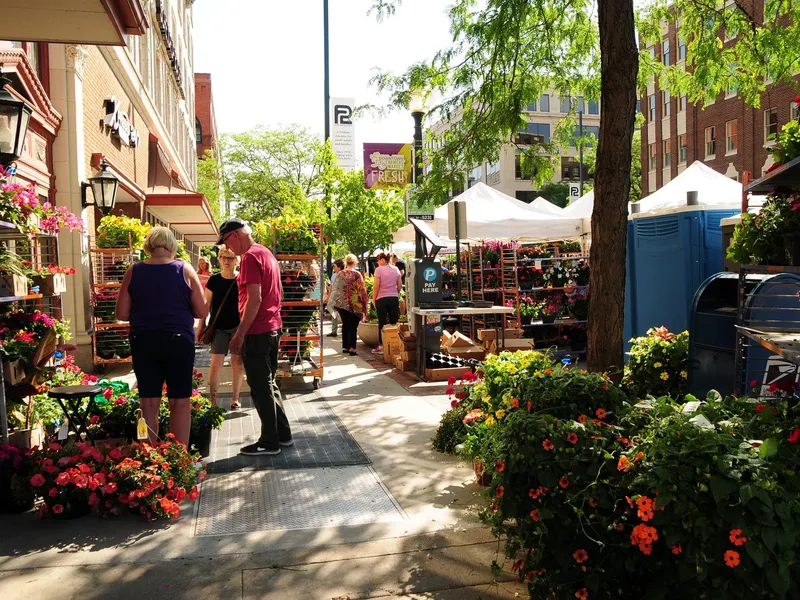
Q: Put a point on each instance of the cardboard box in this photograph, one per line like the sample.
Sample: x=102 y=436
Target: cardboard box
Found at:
x=444 y=374
x=407 y=335
x=408 y=355
x=474 y=353
x=403 y=328
x=391 y=348
x=404 y=365
x=486 y=335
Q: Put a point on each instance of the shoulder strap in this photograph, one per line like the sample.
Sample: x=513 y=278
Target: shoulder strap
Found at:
x=224 y=298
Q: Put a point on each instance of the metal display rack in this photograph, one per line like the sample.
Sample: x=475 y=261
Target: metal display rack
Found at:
x=111 y=338
x=300 y=352
x=40 y=251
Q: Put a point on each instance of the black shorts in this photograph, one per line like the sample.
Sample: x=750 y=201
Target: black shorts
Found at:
x=161 y=357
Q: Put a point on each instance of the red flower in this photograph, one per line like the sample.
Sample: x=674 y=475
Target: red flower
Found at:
x=535 y=515
x=754 y=383
x=533 y=493
x=499 y=491
x=795 y=436
x=547 y=445
x=514 y=403
x=580 y=556
x=530 y=404
x=563 y=482
x=63 y=478
x=115 y=453
x=797 y=100
x=572 y=438
x=37 y=480
x=110 y=488
x=450 y=391
x=451 y=381
x=760 y=407
x=676 y=549
x=732 y=558
x=453 y=403
x=495 y=508
x=58 y=509
x=601 y=413
x=500 y=466
x=736 y=537
x=93 y=499
x=582 y=419
x=108 y=393
x=94 y=420
x=194 y=494
x=582 y=594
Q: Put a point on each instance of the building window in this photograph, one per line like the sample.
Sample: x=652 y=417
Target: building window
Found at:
x=682 y=104
x=666 y=155
x=683 y=151
x=770 y=125
x=666 y=105
x=532 y=106
x=653 y=156
x=198 y=131
x=711 y=142
x=581 y=105
x=594 y=107
x=518 y=167
x=651 y=103
x=474 y=176
x=589 y=131
x=570 y=168
x=652 y=52
x=544 y=103
x=565 y=104
x=665 y=52
x=681 y=48
x=794 y=111
x=731 y=137
x=492 y=168
x=542 y=129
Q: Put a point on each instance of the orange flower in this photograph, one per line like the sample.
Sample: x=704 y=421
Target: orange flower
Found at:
x=582 y=419
x=563 y=482
x=582 y=594
x=515 y=403
x=623 y=440
x=499 y=491
x=547 y=445
x=500 y=466
x=533 y=493
x=639 y=456
x=643 y=536
x=624 y=464
x=676 y=549
x=548 y=371
x=736 y=537
x=732 y=558
x=605 y=386
x=530 y=404
x=580 y=556
x=601 y=412
x=535 y=515
x=572 y=438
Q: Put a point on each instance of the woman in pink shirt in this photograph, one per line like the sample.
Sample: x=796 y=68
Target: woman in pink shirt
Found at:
x=386 y=295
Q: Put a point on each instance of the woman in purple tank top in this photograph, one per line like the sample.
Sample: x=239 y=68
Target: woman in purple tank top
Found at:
x=161 y=297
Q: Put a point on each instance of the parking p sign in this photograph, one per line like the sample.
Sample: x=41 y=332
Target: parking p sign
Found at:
x=574 y=192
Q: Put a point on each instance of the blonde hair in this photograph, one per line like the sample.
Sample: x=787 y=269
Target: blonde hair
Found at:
x=350 y=259
x=227 y=252
x=160 y=237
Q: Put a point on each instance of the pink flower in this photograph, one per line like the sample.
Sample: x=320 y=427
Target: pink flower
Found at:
x=58 y=509
x=795 y=436
x=94 y=420
x=108 y=393
x=93 y=499
x=37 y=480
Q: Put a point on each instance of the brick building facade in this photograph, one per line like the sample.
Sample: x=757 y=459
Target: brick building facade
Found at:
x=206 y=135
x=728 y=135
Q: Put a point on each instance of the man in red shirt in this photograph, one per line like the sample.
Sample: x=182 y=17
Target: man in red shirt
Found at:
x=259 y=333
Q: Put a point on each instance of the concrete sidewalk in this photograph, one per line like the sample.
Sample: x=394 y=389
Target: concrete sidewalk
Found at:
x=438 y=549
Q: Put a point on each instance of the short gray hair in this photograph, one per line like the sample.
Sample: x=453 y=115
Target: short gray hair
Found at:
x=161 y=237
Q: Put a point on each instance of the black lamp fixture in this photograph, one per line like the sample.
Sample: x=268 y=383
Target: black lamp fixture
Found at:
x=104 y=190
x=417 y=104
x=14 y=118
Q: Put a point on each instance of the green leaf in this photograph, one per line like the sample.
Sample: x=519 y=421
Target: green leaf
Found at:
x=746 y=493
x=769 y=535
x=756 y=552
x=722 y=487
x=768 y=449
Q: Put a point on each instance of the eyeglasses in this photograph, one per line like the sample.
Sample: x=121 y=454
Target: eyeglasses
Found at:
x=227 y=258
x=227 y=237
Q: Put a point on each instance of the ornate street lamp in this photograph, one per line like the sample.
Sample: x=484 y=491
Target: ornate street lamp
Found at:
x=417 y=106
x=14 y=118
x=104 y=190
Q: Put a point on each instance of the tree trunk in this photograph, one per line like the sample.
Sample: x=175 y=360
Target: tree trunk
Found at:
x=620 y=62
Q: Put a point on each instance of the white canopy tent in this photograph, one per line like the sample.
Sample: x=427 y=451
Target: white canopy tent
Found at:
x=544 y=205
x=492 y=215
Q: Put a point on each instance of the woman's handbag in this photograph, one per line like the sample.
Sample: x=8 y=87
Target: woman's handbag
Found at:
x=207 y=333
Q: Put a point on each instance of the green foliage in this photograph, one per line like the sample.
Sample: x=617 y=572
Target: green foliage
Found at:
x=555 y=192
x=205 y=416
x=759 y=238
x=287 y=235
x=364 y=220
x=788 y=143
x=452 y=430
x=636 y=166
x=119 y=231
x=657 y=364
x=209 y=183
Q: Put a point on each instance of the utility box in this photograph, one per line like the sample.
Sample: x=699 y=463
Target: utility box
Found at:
x=427 y=281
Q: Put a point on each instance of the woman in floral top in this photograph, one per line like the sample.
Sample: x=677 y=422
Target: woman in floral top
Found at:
x=349 y=297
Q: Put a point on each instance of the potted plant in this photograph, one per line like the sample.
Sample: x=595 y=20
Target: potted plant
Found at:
x=50 y=280
x=13 y=279
x=205 y=418
x=528 y=310
x=368 y=331
x=121 y=232
x=550 y=311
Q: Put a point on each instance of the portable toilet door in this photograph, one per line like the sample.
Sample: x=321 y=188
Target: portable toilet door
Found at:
x=667 y=268
x=713 y=252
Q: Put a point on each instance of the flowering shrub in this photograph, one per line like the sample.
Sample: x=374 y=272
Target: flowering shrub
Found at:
x=121 y=232
x=760 y=238
x=20 y=205
x=657 y=364
x=205 y=416
x=13 y=468
x=21 y=333
x=288 y=235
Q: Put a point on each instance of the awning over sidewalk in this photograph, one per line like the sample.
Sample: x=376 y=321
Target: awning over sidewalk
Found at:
x=188 y=214
x=96 y=22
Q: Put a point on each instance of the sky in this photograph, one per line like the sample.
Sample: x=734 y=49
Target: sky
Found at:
x=266 y=59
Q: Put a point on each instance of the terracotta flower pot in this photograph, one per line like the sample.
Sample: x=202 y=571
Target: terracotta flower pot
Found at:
x=368 y=333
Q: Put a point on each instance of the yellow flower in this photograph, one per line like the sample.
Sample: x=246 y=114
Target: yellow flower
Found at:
x=490 y=421
x=664 y=375
x=657 y=365
x=500 y=414
x=524 y=364
x=684 y=374
x=512 y=369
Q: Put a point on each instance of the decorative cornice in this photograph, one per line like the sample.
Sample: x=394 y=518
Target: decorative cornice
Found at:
x=77 y=56
x=15 y=59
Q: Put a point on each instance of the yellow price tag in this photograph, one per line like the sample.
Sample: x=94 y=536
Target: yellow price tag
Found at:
x=141 y=426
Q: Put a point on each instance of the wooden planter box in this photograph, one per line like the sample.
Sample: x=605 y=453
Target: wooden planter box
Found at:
x=13 y=285
x=13 y=371
x=25 y=439
x=50 y=285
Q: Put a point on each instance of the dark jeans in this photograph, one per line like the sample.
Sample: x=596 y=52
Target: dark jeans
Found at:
x=260 y=358
x=388 y=312
x=161 y=357
x=350 y=321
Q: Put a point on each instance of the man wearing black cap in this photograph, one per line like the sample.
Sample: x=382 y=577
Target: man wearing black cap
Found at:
x=259 y=333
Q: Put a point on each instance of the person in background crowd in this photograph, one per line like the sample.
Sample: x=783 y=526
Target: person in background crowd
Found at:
x=349 y=297
x=161 y=297
x=222 y=286
x=386 y=296
x=203 y=270
x=259 y=334
x=338 y=265
x=314 y=271
x=401 y=266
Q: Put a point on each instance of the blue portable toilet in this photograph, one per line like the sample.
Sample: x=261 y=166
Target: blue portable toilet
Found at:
x=674 y=244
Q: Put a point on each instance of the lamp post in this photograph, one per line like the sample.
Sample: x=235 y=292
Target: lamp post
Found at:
x=417 y=106
x=14 y=118
x=580 y=152
x=104 y=190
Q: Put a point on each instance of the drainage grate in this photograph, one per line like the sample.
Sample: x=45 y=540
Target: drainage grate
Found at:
x=320 y=438
x=241 y=503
